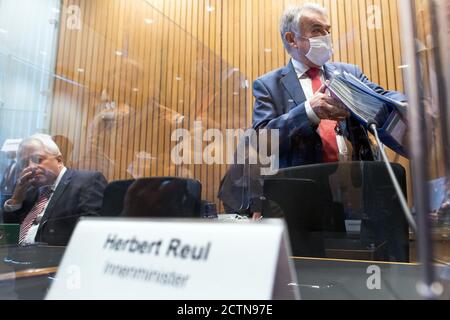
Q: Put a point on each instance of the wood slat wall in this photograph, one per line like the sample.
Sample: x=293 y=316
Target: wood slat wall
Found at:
x=425 y=54
x=168 y=63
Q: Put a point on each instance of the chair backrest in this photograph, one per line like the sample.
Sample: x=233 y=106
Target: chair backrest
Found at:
x=113 y=198
x=285 y=198
x=165 y=197
x=368 y=183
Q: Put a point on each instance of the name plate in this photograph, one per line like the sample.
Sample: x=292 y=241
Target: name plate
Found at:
x=176 y=260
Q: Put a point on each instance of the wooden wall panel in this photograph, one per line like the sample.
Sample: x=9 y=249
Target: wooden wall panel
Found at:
x=163 y=64
x=429 y=94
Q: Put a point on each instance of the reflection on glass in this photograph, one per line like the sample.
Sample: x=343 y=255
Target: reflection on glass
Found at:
x=144 y=89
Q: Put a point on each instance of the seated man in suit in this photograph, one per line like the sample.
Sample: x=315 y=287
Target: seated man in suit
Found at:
x=49 y=198
x=313 y=126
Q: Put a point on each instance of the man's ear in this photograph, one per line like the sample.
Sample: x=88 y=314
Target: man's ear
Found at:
x=60 y=159
x=290 y=38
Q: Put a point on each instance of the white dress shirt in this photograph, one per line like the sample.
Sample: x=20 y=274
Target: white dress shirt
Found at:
x=306 y=84
x=31 y=235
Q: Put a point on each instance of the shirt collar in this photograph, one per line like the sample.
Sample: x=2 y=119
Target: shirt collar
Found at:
x=300 y=68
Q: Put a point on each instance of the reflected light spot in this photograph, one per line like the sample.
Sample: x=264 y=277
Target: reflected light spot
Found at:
x=3 y=31
x=210 y=8
x=149 y=21
x=267 y=50
x=135 y=90
x=55 y=10
x=178 y=78
x=403 y=66
x=119 y=53
x=80 y=70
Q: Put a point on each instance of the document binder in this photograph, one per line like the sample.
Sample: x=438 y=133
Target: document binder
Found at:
x=369 y=107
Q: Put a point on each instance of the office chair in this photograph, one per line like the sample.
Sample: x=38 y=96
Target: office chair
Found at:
x=113 y=198
x=381 y=216
x=308 y=214
x=164 y=197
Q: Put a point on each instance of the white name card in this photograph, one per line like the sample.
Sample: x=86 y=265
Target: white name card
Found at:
x=176 y=260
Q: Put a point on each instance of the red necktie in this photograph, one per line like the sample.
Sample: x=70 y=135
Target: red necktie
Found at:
x=327 y=127
x=34 y=213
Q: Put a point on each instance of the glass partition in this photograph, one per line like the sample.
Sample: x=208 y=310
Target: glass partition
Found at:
x=158 y=97
x=432 y=41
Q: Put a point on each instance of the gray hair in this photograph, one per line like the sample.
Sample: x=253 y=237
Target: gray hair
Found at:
x=291 y=17
x=50 y=147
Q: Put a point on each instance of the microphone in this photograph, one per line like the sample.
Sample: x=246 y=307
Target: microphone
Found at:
x=409 y=217
x=372 y=124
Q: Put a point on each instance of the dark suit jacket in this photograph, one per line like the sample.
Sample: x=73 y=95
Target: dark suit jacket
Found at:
x=280 y=104
x=79 y=193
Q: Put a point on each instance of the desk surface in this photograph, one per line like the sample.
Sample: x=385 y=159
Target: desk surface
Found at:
x=318 y=279
x=16 y=259
x=322 y=279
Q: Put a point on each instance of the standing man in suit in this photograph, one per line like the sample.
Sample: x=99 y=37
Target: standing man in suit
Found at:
x=48 y=198
x=313 y=126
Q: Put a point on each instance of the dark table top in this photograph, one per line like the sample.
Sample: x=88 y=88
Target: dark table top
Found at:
x=16 y=258
x=322 y=279
x=27 y=273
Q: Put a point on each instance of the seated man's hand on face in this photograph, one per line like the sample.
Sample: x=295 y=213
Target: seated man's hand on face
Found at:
x=32 y=176
x=25 y=181
x=328 y=108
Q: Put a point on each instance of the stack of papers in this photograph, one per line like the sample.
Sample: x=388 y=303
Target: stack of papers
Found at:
x=369 y=107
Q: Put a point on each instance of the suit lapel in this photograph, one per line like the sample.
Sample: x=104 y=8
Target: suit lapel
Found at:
x=329 y=71
x=62 y=186
x=292 y=85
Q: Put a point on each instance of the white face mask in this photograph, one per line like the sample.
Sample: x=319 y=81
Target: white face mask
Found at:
x=321 y=50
